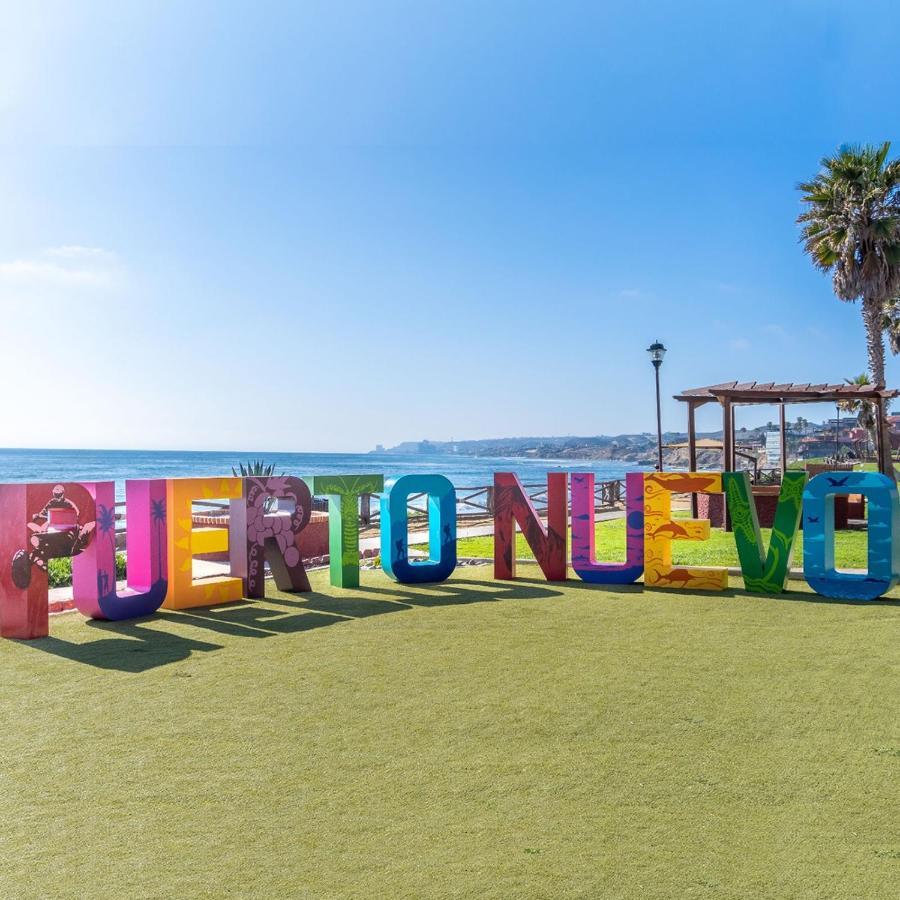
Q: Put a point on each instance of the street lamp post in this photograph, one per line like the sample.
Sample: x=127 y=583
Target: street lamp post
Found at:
x=657 y=351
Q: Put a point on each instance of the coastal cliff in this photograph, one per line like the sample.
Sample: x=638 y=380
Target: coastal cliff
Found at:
x=639 y=449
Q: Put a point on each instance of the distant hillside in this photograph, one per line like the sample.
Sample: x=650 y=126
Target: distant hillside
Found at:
x=637 y=448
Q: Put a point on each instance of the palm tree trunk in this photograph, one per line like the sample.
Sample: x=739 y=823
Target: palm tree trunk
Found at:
x=871 y=310
x=874 y=340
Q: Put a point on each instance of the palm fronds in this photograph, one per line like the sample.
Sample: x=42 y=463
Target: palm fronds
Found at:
x=851 y=222
x=864 y=409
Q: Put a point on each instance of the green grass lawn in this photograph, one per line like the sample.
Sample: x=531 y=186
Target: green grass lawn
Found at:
x=470 y=739
x=851 y=547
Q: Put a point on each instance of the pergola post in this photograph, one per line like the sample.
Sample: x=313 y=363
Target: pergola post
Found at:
x=729 y=450
x=782 y=424
x=883 y=441
x=692 y=450
x=879 y=437
x=727 y=436
x=733 y=437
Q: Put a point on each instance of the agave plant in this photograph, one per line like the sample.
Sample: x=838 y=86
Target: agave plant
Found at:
x=255 y=469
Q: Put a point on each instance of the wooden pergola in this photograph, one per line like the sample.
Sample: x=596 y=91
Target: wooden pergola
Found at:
x=733 y=393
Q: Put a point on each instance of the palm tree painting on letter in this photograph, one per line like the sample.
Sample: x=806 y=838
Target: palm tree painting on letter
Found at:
x=158 y=515
x=106 y=525
x=851 y=230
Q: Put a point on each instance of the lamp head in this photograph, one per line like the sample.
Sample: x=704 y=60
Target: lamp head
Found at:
x=657 y=351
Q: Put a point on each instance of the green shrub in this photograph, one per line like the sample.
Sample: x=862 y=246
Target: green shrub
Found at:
x=60 y=570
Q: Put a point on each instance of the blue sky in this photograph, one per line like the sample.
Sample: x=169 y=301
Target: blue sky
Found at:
x=253 y=226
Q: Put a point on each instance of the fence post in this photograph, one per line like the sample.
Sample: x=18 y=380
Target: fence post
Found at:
x=489 y=501
x=365 y=509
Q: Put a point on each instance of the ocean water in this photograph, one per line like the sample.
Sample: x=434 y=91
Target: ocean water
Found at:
x=117 y=465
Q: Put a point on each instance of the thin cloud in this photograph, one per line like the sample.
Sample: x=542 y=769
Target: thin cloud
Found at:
x=739 y=344
x=776 y=331
x=816 y=332
x=77 y=252
x=69 y=266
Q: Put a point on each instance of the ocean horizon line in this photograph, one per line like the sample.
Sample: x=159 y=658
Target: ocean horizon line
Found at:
x=43 y=464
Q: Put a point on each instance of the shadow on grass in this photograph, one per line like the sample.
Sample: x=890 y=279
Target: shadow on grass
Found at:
x=136 y=648
x=788 y=596
x=133 y=649
x=317 y=610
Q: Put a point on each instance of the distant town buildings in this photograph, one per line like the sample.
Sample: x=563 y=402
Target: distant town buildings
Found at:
x=805 y=440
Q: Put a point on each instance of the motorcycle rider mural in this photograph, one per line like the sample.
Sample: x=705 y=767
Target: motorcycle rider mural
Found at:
x=54 y=531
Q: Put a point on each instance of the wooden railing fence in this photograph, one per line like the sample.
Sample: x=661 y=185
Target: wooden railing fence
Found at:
x=471 y=503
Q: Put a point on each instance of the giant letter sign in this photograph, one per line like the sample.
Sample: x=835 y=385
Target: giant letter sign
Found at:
x=818 y=535
x=660 y=530
x=511 y=505
x=583 y=532
x=257 y=535
x=38 y=522
x=94 y=569
x=343 y=493
x=765 y=572
x=184 y=541
x=441 y=529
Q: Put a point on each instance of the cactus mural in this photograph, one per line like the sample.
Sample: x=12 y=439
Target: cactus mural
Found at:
x=764 y=571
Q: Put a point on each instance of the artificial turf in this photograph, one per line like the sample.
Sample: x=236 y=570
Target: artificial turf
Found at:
x=468 y=739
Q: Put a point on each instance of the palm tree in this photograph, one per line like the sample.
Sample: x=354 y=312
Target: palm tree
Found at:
x=864 y=409
x=851 y=229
